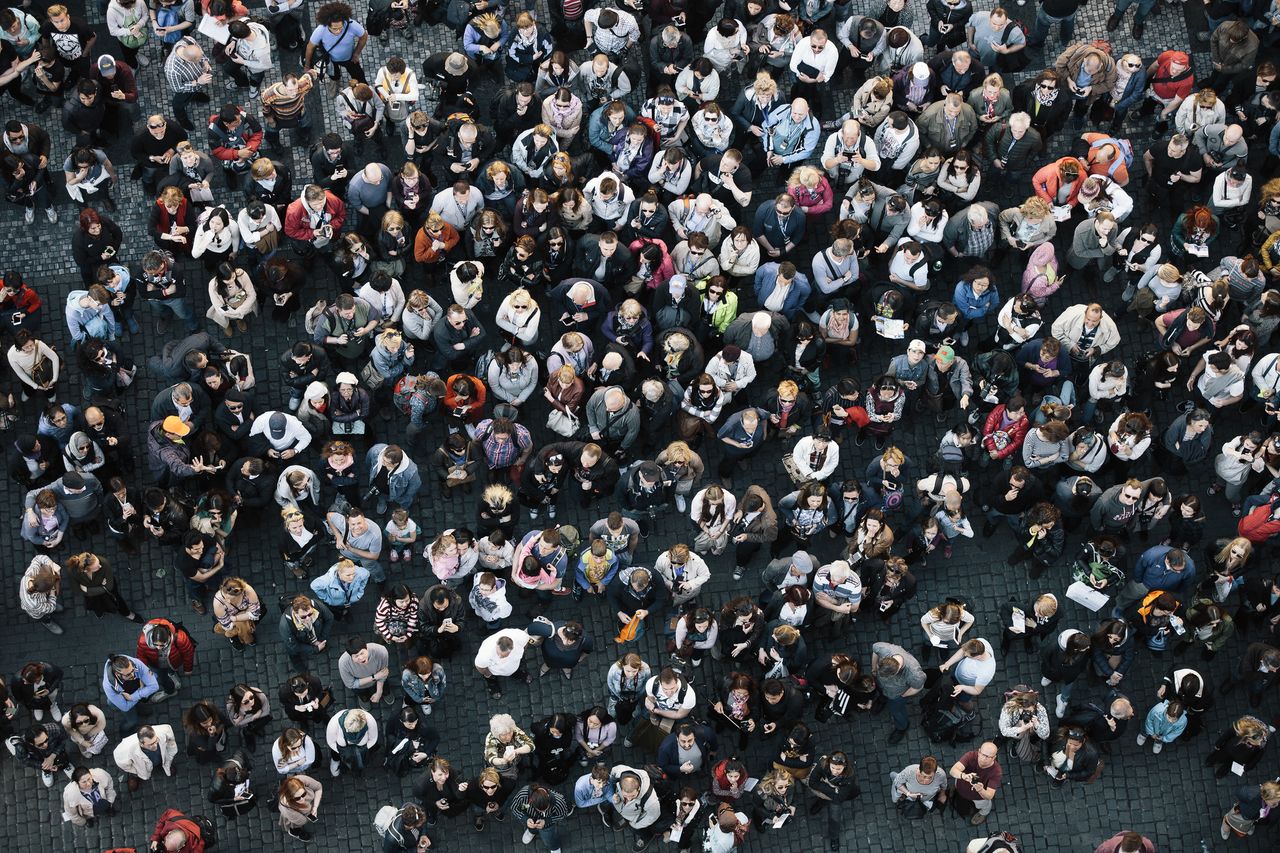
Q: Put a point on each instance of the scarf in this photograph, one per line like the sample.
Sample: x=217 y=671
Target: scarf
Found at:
x=630 y=151
x=352 y=738
x=1046 y=100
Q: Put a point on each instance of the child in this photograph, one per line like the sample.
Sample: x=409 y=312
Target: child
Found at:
x=952 y=520
x=402 y=531
x=926 y=541
x=489 y=599
x=1165 y=723
x=495 y=552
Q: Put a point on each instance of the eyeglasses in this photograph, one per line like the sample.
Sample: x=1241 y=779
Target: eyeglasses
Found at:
x=1048 y=86
x=488 y=787
x=155 y=126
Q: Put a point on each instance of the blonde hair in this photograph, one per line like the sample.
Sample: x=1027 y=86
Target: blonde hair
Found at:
x=497 y=494
x=1035 y=208
x=806 y=175
x=765 y=84
x=355 y=720
x=678 y=451
x=994 y=79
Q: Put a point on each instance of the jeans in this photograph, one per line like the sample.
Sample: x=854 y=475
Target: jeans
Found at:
x=303 y=125
x=897 y=708
x=164 y=677
x=197 y=589
x=181 y=309
x=549 y=835
x=1144 y=8
x=1066 y=29
x=180 y=102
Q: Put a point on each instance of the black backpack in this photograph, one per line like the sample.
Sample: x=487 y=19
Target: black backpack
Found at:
x=951 y=725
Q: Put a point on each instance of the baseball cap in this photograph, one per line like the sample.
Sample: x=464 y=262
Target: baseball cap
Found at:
x=917 y=345
x=176 y=425
x=107 y=64
x=277 y=425
x=920 y=71
x=945 y=355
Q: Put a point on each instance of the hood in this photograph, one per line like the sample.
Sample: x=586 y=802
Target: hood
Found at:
x=149 y=629
x=1065 y=636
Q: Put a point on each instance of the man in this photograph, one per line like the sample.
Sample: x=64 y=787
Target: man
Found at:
x=837 y=591
x=83 y=114
x=127 y=682
x=459 y=339
x=201 y=562
x=458 y=204
x=975 y=667
x=153 y=149
x=1258 y=670
x=669 y=51
x=600 y=82
x=346 y=329
x=1009 y=495
x=142 y=754
x=688 y=752
x=333 y=162
x=991 y=35
x=1011 y=147
x=189 y=403
x=1060 y=12
x=612 y=32
x=342 y=38
x=683 y=572
x=602 y=259
x=506 y=446
x=635 y=803
x=1172 y=169
x=613 y=420
x=368 y=197
x=539 y=809
x=73 y=39
x=1222 y=147
x=782 y=289
x=1218 y=380
x=785 y=572
x=899 y=675
x=978 y=775
x=119 y=87
x=1102 y=725
x=313 y=221
x=1127 y=841
x=813 y=61
x=668 y=698
x=1159 y=568
x=364 y=668
x=501 y=655
x=80 y=494
x=278 y=435
x=791 y=134
x=922 y=782
x=779 y=227
x=187 y=71
x=169 y=458
x=234 y=137
x=971 y=232
x=176 y=833
x=358 y=540
x=284 y=105
x=635 y=595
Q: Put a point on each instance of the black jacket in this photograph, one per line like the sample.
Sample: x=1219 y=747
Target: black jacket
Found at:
x=617 y=269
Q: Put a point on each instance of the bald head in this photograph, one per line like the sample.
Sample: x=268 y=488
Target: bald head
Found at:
x=615 y=399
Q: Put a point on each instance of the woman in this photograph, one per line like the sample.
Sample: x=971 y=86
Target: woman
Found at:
x=625 y=683
x=360 y=112
x=892 y=586
x=1040 y=538
x=811 y=191
x=885 y=403
x=520 y=269
x=216 y=238
x=86 y=727
x=505 y=746
x=944 y=628
x=306 y=700
x=236 y=611
x=1242 y=744
x=805 y=514
x=89 y=795
x=571 y=207
x=37 y=366
x=534 y=216
x=96 y=582
x=958 y=180
x=775 y=800
x=423 y=682
x=232 y=298
x=488 y=794
x=711 y=513
x=555 y=747
x=1192 y=235
x=595 y=733
x=230 y=788
x=411 y=199
x=783 y=651
x=46 y=523
x=299 y=802
x=1024 y=722
x=95 y=241
x=249 y=711
x=794 y=754
x=172 y=221
x=568 y=646
x=339 y=475
x=299 y=541
x=396 y=618
x=28 y=185
x=282 y=280
x=737 y=708
x=1253 y=804
x=206 y=727
x=1236 y=463
x=1208 y=626
x=411 y=742
x=350 y=734
x=1114 y=645
x=294 y=752
x=872 y=539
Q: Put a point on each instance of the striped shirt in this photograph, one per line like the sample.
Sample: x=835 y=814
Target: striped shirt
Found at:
x=503 y=454
x=279 y=107
x=557 y=811
x=182 y=74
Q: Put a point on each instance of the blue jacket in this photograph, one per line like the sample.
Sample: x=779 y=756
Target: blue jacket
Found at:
x=1151 y=571
x=471 y=42
x=608 y=575
x=1159 y=726
x=116 y=696
x=330 y=590
x=767 y=280
x=1133 y=90
x=794 y=142
x=669 y=752
x=973 y=306
x=404 y=481
x=768 y=226
x=598 y=133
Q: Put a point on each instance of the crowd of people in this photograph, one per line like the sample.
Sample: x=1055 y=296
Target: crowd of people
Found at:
x=629 y=295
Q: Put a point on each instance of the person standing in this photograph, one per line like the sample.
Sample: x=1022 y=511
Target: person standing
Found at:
x=541 y=810
x=898 y=675
x=978 y=775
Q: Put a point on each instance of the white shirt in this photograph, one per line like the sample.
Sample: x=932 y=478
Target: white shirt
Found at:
x=824 y=60
x=487 y=657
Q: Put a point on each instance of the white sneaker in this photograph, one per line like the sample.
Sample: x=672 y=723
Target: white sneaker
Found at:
x=334 y=768
x=255 y=93
x=1141 y=739
x=11 y=743
x=55 y=711
x=29 y=215
x=231 y=84
x=47 y=778
x=1044 y=682
x=1061 y=708
x=1156 y=747
x=527 y=838
x=143 y=60
x=38 y=714
x=51 y=214
x=681 y=503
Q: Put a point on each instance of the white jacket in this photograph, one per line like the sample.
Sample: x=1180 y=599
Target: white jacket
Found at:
x=130 y=758
x=295 y=434
x=800 y=456
x=75 y=808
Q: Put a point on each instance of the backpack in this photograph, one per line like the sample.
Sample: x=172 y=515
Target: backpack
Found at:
x=1124 y=146
x=482 y=365
x=383 y=820
x=655 y=136
x=405 y=393
x=951 y=725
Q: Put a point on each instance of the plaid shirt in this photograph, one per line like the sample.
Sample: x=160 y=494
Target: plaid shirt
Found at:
x=181 y=74
x=502 y=454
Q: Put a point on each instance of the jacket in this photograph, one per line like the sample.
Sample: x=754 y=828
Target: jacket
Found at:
x=764 y=527
x=1070 y=324
x=766 y=281
x=181 y=655
x=330 y=590
x=115 y=695
x=1190 y=451
x=1003 y=442
x=956 y=234
x=793 y=141
x=642 y=811
x=696 y=573
x=78 y=810
x=1068 y=66
x=173 y=819
x=1151 y=571
x=933 y=127
x=297 y=220
x=622 y=427
x=1017 y=154
x=404 y=482
x=295 y=643
x=130 y=758
x=1047 y=181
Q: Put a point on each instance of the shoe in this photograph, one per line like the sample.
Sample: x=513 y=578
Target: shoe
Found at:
x=881 y=442
x=816 y=806
x=1113 y=22
x=681 y=504
x=133 y=784
x=639 y=844
x=896 y=735
x=1060 y=707
x=47 y=778
x=332 y=88
x=495 y=694
x=1141 y=739
x=978 y=819
x=988 y=530
x=198 y=606
x=395 y=556
x=242 y=325
x=231 y=84
x=551 y=511
x=527 y=838
x=301 y=834
x=478 y=823
x=407 y=556
x=29 y=215
x=1225 y=832
x=738 y=572
x=835 y=845
x=334 y=768
x=533 y=513
x=1139 y=27
x=1044 y=682
x=38 y=714
x=381 y=508
x=143 y=60
x=51 y=214
x=627 y=742
x=255 y=93
x=1157 y=747
x=964 y=339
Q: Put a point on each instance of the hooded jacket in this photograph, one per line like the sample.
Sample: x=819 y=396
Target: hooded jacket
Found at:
x=404 y=481
x=181 y=653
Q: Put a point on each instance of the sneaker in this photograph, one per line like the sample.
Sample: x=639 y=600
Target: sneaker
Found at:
x=395 y=556
x=1156 y=747
x=627 y=742
x=29 y=215
x=255 y=93
x=231 y=84
x=964 y=339
x=11 y=744
x=1044 y=682
x=881 y=442
x=978 y=819
x=478 y=823
x=1141 y=739
x=407 y=556
x=551 y=511
x=143 y=60
x=527 y=838
x=381 y=508
x=1060 y=708
x=738 y=572
x=681 y=503
x=38 y=714
x=51 y=214
x=198 y=606
x=533 y=513
x=47 y=778
x=334 y=768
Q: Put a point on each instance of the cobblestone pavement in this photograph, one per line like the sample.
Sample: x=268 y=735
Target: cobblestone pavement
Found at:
x=1173 y=798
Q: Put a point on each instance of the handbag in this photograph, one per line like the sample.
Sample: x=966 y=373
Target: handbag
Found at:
x=269 y=241
x=703 y=543
x=42 y=371
x=562 y=423
x=371 y=377
x=794 y=472
x=912 y=809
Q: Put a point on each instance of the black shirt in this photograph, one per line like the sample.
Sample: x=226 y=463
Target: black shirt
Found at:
x=1163 y=164
x=145 y=145
x=72 y=43
x=711 y=183
x=190 y=566
x=1061 y=8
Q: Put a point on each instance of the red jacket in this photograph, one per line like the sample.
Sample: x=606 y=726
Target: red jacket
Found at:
x=173 y=819
x=24 y=299
x=1112 y=845
x=182 y=650
x=1161 y=79
x=451 y=400
x=1014 y=434
x=225 y=144
x=1258 y=526
x=1047 y=181
x=297 y=223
